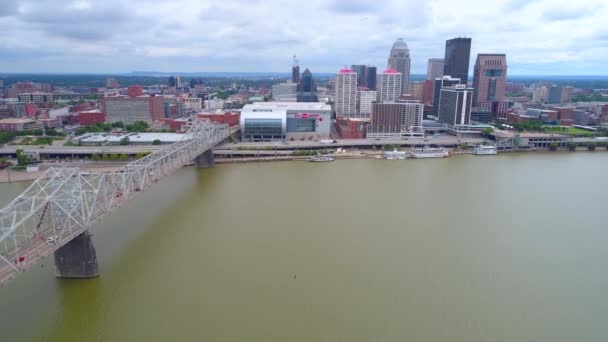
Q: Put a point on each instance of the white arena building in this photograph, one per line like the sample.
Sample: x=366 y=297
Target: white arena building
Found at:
x=265 y=121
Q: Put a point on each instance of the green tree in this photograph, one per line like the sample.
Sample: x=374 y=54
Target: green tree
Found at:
x=114 y=156
x=591 y=146
x=572 y=146
x=156 y=142
x=137 y=126
x=123 y=157
x=125 y=141
x=95 y=157
x=139 y=155
x=22 y=158
x=463 y=146
x=553 y=146
x=487 y=131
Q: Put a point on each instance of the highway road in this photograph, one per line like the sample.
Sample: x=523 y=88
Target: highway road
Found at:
x=443 y=140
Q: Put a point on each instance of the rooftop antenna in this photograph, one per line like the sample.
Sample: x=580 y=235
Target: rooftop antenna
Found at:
x=295 y=61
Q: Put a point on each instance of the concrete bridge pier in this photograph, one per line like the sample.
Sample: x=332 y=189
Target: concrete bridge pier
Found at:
x=77 y=259
x=205 y=159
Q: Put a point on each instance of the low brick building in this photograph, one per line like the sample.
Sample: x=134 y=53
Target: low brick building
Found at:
x=229 y=118
x=351 y=128
x=19 y=124
x=91 y=117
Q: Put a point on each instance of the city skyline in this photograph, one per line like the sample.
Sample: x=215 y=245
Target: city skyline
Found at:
x=540 y=37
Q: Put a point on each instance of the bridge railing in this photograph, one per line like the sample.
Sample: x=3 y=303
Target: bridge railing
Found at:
x=64 y=202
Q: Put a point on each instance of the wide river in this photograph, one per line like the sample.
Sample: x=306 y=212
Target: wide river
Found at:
x=476 y=249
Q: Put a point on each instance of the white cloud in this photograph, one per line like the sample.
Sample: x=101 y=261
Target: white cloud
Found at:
x=539 y=37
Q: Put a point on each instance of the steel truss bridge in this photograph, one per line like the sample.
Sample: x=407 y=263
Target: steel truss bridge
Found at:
x=65 y=202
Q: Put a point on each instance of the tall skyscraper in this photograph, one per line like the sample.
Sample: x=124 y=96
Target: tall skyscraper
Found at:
x=361 y=74
x=434 y=68
x=178 y=81
x=399 y=60
x=370 y=75
x=388 y=85
x=171 y=82
x=489 y=81
x=456 y=61
x=308 y=89
x=489 y=78
x=540 y=94
x=555 y=94
x=295 y=71
x=445 y=81
x=455 y=106
x=346 y=92
x=567 y=92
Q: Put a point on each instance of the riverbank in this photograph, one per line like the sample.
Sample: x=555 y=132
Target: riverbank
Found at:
x=11 y=175
x=375 y=154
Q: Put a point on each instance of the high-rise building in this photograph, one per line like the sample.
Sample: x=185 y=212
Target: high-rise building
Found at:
x=365 y=98
x=308 y=88
x=346 y=92
x=399 y=60
x=178 y=82
x=456 y=61
x=370 y=75
x=434 y=68
x=285 y=92
x=295 y=71
x=403 y=117
x=489 y=78
x=489 y=82
x=361 y=74
x=455 y=106
x=567 y=94
x=540 y=94
x=388 y=85
x=555 y=94
x=445 y=81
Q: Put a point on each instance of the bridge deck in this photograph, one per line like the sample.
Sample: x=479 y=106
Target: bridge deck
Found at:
x=65 y=202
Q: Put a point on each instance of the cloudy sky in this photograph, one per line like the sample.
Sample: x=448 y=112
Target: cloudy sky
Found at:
x=540 y=37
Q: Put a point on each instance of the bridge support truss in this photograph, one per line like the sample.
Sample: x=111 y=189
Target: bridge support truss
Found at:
x=77 y=258
x=62 y=205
